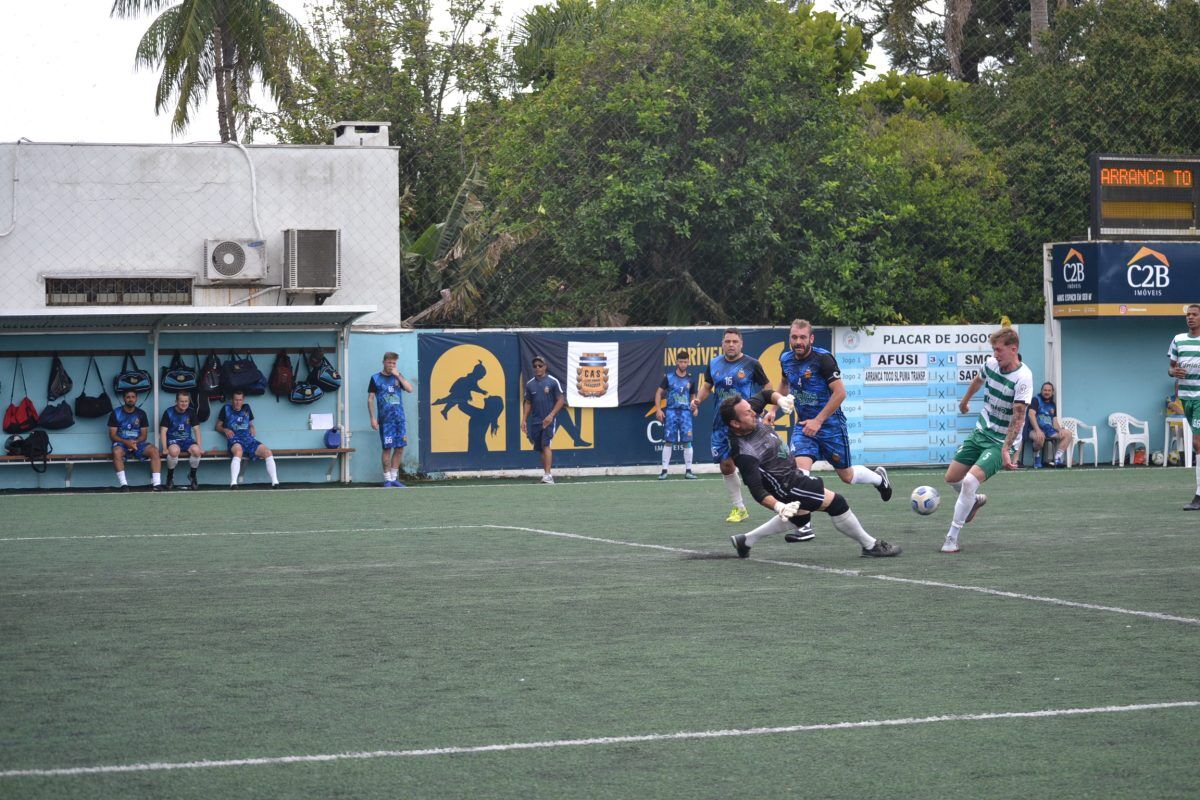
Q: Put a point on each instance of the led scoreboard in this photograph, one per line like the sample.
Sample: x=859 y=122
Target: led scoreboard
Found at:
x=1145 y=197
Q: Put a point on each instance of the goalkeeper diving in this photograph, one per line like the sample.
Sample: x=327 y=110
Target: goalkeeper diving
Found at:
x=772 y=478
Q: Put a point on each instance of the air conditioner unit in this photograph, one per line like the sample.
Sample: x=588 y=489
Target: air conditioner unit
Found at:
x=312 y=260
x=235 y=260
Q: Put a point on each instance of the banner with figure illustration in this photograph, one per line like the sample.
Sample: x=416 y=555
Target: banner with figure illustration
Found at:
x=471 y=385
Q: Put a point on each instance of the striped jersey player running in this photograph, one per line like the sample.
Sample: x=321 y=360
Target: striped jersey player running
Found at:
x=992 y=445
x=1184 y=354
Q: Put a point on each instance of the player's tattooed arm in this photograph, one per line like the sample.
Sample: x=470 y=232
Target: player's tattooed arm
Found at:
x=1010 y=436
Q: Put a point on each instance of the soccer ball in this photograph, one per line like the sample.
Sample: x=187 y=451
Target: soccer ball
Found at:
x=1156 y=458
x=1175 y=459
x=925 y=500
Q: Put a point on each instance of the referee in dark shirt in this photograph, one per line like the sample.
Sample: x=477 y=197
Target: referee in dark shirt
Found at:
x=544 y=399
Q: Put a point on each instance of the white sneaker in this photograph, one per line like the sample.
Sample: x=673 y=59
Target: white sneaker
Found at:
x=950 y=546
x=548 y=479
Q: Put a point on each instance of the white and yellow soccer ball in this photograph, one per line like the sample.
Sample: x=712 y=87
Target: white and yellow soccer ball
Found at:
x=925 y=500
x=1156 y=458
x=1175 y=459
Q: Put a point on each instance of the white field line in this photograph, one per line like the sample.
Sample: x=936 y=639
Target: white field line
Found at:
x=163 y=766
x=681 y=550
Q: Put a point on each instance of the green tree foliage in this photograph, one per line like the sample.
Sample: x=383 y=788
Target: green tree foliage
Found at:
x=199 y=43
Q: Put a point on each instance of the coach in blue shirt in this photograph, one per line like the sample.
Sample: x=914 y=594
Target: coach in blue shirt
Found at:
x=544 y=399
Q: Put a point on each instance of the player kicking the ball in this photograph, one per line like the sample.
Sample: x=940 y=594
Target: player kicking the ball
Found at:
x=991 y=446
x=773 y=480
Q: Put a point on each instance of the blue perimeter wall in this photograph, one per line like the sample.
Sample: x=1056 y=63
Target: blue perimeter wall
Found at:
x=1112 y=364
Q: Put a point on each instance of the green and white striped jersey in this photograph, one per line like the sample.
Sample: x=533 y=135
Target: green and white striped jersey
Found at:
x=1185 y=351
x=1000 y=391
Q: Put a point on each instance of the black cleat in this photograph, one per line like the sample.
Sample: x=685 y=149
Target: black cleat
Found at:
x=802 y=534
x=192 y=480
x=232 y=486
x=156 y=488
x=885 y=488
x=882 y=550
x=739 y=544
x=123 y=488
x=1194 y=505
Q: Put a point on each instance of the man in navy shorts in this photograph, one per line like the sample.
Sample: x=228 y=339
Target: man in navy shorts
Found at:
x=544 y=399
x=128 y=427
x=386 y=409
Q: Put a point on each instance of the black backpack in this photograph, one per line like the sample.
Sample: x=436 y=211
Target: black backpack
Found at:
x=60 y=382
x=36 y=447
x=210 y=376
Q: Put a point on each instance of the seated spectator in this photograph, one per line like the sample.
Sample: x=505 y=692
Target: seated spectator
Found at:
x=128 y=427
x=236 y=423
x=1044 y=426
x=179 y=432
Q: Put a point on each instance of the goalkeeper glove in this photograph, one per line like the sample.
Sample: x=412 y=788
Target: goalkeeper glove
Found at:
x=786 y=404
x=787 y=510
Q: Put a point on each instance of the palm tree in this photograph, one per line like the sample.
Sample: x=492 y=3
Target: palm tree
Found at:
x=223 y=42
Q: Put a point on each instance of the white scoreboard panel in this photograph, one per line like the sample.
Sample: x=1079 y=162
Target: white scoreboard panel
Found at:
x=903 y=385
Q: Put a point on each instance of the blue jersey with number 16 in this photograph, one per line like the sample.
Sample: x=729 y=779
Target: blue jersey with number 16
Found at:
x=743 y=377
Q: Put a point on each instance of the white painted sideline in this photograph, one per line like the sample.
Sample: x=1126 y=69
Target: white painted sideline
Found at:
x=162 y=766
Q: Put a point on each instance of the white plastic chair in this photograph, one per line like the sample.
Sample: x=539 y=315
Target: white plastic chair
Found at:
x=1177 y=435
x=1126 y=434
x=1076 y=427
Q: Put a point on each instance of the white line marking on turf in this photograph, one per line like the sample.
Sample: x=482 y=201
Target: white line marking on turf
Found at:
x=160 y=766
x=681 y=550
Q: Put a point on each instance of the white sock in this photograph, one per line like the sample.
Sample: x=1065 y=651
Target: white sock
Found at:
x=734 y=486
x=194 y=461
x=666 y=459
x=687 y=458
x=121 y=481
x=804 y=472
x=1059 y=455
x=394 y=475
x=775 y=525
x=172 y=461
x=963 y=506
x=956 y=486
x=1197 y=475
x=271 y=470
x=864 y=475
x=235 y=466
x=848 y=525
x=155 y=478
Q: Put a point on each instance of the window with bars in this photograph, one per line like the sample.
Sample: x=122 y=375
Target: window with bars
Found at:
x=119 y=291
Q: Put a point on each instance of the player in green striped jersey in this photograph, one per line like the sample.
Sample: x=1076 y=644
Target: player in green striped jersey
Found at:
x=992 y=445
x=1184 y=355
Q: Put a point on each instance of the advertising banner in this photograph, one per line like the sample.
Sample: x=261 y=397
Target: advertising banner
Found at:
x=1113 y=279
x=903 y=385
x=470 y=392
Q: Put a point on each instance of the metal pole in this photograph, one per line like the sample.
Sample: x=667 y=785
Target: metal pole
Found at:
x=343 y=394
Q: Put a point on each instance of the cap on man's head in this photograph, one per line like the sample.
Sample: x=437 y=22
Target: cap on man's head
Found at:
x=537 y=360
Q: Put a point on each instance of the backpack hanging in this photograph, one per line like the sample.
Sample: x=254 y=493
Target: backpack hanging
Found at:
x=19 y=417
x=304 y=392
x=210 y=375
x=60 y=382
x=328 y=378
x=203 y=409
x=178 y=376
x=92 y=407
x=283 y=378
x=135 y=379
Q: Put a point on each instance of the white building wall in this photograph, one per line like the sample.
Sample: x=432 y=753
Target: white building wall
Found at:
x=146 y=210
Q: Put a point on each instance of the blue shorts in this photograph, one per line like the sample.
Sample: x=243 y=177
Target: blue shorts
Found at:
x=249 y=445
x=138 y=452
x=184 y=444
x=1048 y=431
x=393 y=434
x=832 y=444
x=677 y=425
x=540 y=437
x=720 y=444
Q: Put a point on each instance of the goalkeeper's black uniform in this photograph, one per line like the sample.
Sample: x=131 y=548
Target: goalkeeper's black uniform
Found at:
x=767 y=468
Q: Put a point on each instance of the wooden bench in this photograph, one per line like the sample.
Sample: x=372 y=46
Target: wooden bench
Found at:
x=69 y=460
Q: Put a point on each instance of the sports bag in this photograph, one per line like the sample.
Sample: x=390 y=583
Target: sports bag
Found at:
x=135 y=379
x=92 y=407
x=56 y=416
x=327 y=377
x=36 y=447
x=19 y=417
x=60 y=382
x=333 y=438
x=282 y=376
x=210 y=375
x=305 y=392
x=242 y=374
x=203 y=409
x=178 y=376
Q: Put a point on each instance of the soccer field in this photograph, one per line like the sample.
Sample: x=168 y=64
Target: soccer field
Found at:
x=600 y=639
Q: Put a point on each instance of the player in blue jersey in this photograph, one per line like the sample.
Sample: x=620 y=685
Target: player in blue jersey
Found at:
x=236 y=423
x=731 y=374
x=679 y=387
x=1044 y=426
x=812 y=376
x=128 y=427
x=179 y=432
x=544 y=398
x=386 y=409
